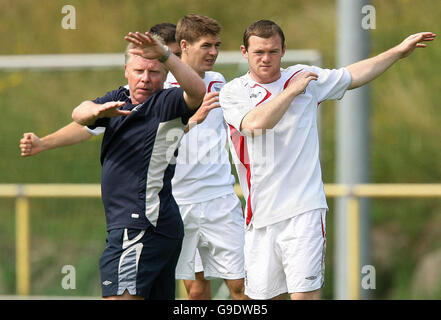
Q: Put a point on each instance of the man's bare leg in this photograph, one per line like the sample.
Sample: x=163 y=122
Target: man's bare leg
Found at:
x=237 y=289
x=198 y=289
x=311 y=295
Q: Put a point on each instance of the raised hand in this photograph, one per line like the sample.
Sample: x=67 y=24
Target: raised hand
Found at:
x=210 y=102
x=110 y=109
x=30 y=144
x=299 y=83
x=409 y=44
x=88 y=112
x=148 y=46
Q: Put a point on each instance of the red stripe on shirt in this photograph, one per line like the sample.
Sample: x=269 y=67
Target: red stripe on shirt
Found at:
x=287 y=81
x=211 y=84
x=239 y=143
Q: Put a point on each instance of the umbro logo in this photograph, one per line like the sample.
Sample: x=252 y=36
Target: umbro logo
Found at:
x=259 y=94
x=107 y=282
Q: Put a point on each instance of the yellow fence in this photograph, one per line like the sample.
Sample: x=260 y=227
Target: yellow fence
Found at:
x=22 y=192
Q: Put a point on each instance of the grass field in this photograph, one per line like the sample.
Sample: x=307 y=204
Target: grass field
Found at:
x=405 y=131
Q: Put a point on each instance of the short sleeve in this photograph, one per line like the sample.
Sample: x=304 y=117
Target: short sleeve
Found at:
x=235 y=102
x=331 y=83
x=174 y=106
x=97 y=131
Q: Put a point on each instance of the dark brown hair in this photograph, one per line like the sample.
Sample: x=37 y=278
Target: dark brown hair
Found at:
x=166 y=30
x=263 y=29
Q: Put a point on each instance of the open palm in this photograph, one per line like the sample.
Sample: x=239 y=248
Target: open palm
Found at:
x=414 y=41
x=148 y=46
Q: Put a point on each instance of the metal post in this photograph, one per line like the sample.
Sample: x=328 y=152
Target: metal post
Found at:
x=22 y=265
x=352 y=147
x=353 y=254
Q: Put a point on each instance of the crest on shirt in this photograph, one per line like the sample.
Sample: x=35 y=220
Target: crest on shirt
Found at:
x=215 y=86
x=259 y=94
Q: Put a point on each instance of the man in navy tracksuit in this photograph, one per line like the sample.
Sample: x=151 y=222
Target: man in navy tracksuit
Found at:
x=144 y=125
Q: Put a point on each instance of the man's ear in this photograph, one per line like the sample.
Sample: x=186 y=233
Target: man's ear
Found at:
x=283 y=49
x=125 y=71
x=183 y=44
x=244 y=51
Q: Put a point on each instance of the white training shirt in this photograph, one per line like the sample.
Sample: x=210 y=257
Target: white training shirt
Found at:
x=279 y=171
x=203 y=170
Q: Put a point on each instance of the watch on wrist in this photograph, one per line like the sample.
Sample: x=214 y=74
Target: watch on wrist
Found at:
x=165 y=57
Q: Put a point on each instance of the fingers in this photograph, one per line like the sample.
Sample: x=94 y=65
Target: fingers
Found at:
x=136 y=52
x=423 y=36
x=211 y=101
x=309 y=74
x=299 y=83
x=426 y=36
x=212 y=106
x=132 y=38
x=306 y=74
x=110 y=109
x=119 y=103
x=211 y=98
x=26 y=144
x=112 y=105
x=123 y=112
x=415 y=39
x=151 y=38
x=139 y=39
x=144 y=38
x=211 y=94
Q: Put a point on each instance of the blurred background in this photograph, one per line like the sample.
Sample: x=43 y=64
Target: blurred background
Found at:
x=404 y=128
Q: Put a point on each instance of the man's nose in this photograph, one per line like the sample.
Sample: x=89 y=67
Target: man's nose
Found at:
x=266 y=57
x=213 y=51
x=145 y=76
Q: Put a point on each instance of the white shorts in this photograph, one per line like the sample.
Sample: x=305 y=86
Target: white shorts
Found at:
x=286 y=257
x=215 y=230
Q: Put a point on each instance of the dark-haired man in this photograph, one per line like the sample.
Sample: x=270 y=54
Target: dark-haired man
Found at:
x=272 y=117
x=203 y=183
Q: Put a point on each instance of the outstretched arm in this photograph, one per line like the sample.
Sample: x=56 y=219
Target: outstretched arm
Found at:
x=367 y=70
x=149 y=47
x=73 y=133
x=88 y=112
